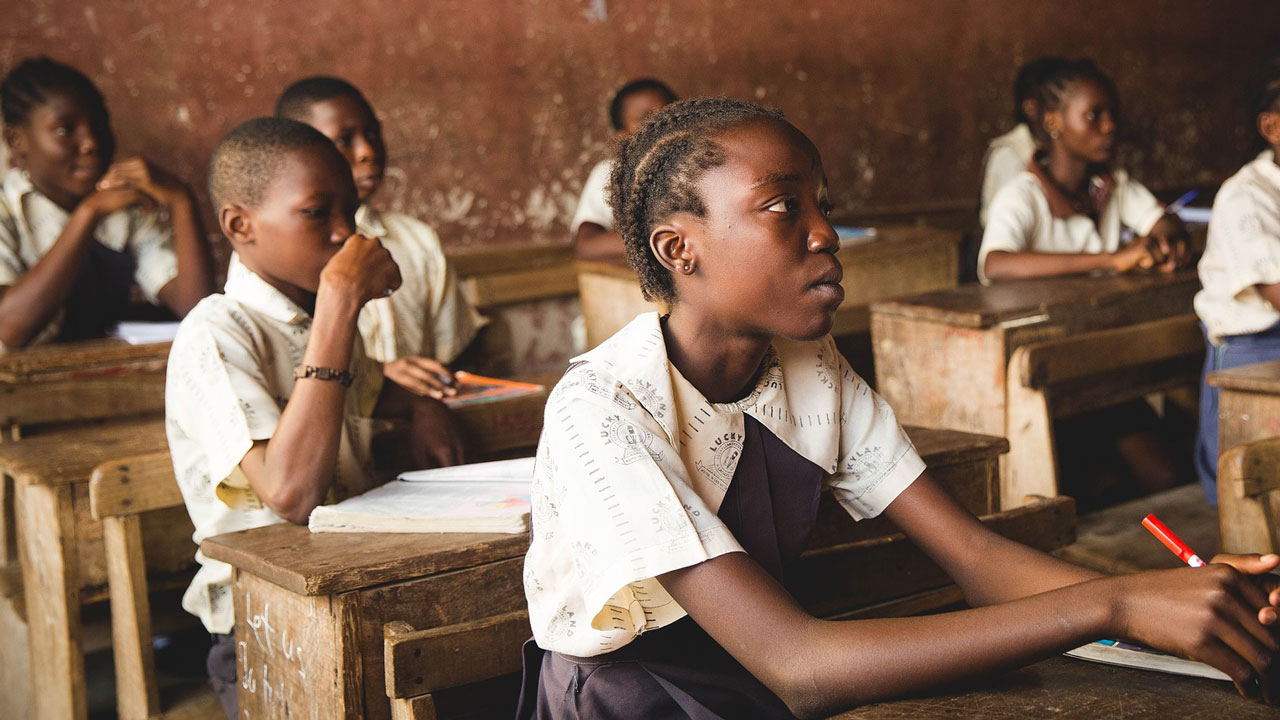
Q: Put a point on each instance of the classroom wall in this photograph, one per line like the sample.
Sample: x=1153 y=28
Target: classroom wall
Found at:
x=494 y=109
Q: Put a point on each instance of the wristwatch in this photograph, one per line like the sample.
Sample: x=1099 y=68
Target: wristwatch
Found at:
x=323 y=373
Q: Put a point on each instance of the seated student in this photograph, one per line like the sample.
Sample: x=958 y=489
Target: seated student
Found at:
x=269 y=393
x=1240 y=271
x=428 y=324
x=1067 y=213
x=592 y=228
x=680 y=469
x=77 y=231
x=1009 y=154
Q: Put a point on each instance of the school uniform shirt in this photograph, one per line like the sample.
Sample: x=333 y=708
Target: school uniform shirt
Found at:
x=634 y=463
x=1242 y=252
x=1030 y=214
x=30 y=224
x=593 y=204
x=428 y=315
x=229 y=377
x=1007 y=156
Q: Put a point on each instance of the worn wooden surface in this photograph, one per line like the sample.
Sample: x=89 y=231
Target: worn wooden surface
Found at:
x=1078 y=373
x=898 y=260
x=1113 y=540
x=1249 y=497
x=134 y=485
x=1248 y=411
x=79 y=360
x=423 y=661
x=502 y=425
x=500 y=275
x=941 y=358
x=69 y=457
x=1072 y=689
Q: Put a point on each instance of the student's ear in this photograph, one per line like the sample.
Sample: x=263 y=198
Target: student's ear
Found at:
x=16 y=139
x=670 y=243
x=1269 y=127
x=236 y=223
x=1052 y=122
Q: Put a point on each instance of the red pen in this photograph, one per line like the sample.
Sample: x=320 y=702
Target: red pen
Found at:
x=1171 y=541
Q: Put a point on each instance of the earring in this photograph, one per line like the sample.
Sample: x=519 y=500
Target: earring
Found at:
x=687 y=267
x=1055 y=134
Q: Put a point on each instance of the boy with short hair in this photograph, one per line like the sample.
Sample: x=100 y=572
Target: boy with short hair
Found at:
x=269 y=394
x=428 y=324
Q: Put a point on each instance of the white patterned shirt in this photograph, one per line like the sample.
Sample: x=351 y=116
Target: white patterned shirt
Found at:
x=634 y=462
x=229 y=377
x=1243 y=251
x=31 y=223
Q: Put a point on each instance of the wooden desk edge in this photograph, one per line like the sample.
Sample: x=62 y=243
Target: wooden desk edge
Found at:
x=1261 y=377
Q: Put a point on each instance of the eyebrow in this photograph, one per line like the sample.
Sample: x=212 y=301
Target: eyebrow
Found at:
x=776 y=177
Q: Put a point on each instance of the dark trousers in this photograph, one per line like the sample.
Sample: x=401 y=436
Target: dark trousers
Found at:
x=221 y=664
x=1235 y=351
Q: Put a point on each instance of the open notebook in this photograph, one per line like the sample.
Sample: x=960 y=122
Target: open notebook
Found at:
x=490 y=497
x=1115 y=652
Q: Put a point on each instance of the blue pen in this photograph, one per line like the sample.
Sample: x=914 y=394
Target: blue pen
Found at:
x=1181 y=202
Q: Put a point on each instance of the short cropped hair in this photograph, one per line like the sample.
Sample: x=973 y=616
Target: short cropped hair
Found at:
x=638 y=85
x=247 y=160
x=296 y=100
x=656 y=172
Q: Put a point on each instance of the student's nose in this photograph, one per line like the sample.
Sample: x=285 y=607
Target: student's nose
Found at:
x=86 y=143
x=343 y=228
x=362 y=149
x=1108 y=124
x=823 y=237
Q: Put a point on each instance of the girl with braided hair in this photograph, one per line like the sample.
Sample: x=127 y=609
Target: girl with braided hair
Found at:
x=1239 y=306
x=681 y=464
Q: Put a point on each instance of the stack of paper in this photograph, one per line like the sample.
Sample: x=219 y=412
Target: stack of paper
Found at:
x=1116 y=652
x=146 y=333
x=488 y=497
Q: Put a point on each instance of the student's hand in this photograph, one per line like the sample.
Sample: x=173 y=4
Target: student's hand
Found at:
x=435 y=438
x=1136 y=254
x=421 y=376
x=1259 y=569
x=1169 y=244
x=1207 y=614
x=138 y=174
x=362 y=270
x=104 y=202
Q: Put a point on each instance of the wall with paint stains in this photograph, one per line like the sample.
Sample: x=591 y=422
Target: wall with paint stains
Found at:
x=494 y=109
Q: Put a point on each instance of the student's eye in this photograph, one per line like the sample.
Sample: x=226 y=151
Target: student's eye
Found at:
x=316 y=212
x=63 y=130
x=372 y=134
x=343 y=141
x=785 y=205
x=1091 y=116
x=827 y=208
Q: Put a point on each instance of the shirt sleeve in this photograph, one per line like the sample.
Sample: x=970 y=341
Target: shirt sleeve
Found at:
x=1248 y=254
x=454 y=320
x=1003 y=165
x=593 y=205
x=222 y=401
x=1011 y=224
x=877 y=459
x=11 y=265
x=1139 y=209
x=152 y=243
x=624 y=505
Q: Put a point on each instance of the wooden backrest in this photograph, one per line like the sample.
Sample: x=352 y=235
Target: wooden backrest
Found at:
x=424 y=661
x=1078 y=357
x=134 y=485
x=1249 y=497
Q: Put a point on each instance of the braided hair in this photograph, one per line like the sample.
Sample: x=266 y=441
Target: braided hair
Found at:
x=33 y=81
x=1266 y=99
x=1058 y=81
x=656 y=172
x=1026 y=85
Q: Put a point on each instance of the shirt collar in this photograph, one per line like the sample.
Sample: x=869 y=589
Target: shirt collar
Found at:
x=1266 y=163
x=369 y=222
x=249 y=288
x=1061 y=206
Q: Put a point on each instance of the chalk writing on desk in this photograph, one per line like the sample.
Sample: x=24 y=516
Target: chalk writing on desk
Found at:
x=269 y=654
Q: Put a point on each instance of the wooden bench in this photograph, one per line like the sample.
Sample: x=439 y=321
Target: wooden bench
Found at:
x=1249 y=497
x=1070 y=375
x=120 y=491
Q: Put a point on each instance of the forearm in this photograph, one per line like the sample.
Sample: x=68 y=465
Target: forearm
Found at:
x=31 y=302
x=1008 y=571
x=1002 y=265
x=194 y=280
x=594 y=242
x=303 y=450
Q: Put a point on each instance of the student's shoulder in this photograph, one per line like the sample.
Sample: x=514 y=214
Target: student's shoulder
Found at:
x=1023 y=190
x=1257 y=182
x=217 y=321
x=597 y=376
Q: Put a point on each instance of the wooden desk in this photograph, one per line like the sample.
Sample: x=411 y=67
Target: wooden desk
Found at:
x=61 y=551
x=1248 y=410
x=1072 y=689
x=897 y=261
x=310 y=608
x=88 y=380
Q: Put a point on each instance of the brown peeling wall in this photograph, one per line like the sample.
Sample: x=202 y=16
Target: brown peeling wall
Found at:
x=494 y=108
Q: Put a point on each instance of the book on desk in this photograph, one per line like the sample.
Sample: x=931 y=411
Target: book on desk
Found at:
x=490 y=497
x=1141 y=657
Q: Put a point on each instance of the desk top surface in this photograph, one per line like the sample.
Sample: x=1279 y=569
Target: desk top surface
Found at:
x=90 y=358
x=69 y=456
x=1066 y=688
x=978 y=306
x=1260 y=378
x=307 y=563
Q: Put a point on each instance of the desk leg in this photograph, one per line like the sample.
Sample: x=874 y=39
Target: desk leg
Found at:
x=51 y=578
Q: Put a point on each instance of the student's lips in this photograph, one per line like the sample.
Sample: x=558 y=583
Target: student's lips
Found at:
x=371 y=180
x=829 y=284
